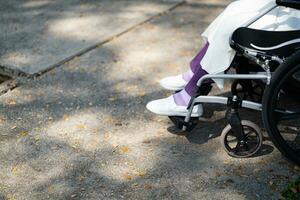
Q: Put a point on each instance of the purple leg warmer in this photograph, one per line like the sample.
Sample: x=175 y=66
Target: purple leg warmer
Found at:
x=183 y=97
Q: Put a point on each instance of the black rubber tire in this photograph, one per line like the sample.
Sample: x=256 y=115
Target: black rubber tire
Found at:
x=245 y=123
x=284 y=71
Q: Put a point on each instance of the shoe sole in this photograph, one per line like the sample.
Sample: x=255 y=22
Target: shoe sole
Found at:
x=172 y=88
x=181 y=114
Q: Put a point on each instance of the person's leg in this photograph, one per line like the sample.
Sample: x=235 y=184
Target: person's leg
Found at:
x=217 y=57
x=183 y=97
x=195 y=63
x=176 y=104
x=178 y=82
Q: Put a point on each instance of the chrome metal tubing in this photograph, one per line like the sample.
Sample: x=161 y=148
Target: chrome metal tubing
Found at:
x=232 y=76
x=223 y=100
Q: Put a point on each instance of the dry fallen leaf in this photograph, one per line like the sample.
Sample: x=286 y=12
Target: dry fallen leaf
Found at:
x=2 y=119
x=81 y=126
x=81 y=178
x=62 y=157
x=24 y=133
x=146 y=141
x=124 y=149
x=50 y=189
x=11 y=102
x=226 y=162
x=14 y=169
x=127 y=176
x=135 y=185
x=106 y=136
x=217 y=174
x=294 y=190
x=3 y=187
x=118 y=123
x=10 y=197
x=36 y=138
x=142 y=94
x=141 y=173
x=296 y=169
x=132 y=88
x=76 y=143
x=66 y=118
x=148 y=187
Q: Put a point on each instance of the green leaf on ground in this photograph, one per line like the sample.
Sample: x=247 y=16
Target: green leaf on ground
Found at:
x=293 y=191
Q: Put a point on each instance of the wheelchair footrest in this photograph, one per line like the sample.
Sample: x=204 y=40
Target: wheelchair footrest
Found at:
x=179 y=122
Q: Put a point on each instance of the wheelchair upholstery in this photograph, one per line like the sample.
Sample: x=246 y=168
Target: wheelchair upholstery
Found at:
x=289 y=3
x=279 y=43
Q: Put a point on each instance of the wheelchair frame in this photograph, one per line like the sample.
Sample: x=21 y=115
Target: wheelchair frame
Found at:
x=225 y=100
x=254 y=55
x=236 y=127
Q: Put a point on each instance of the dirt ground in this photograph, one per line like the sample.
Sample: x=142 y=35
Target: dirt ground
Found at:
x=81 y=131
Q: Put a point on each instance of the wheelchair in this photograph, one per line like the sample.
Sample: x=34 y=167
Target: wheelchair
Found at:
x=267 y=79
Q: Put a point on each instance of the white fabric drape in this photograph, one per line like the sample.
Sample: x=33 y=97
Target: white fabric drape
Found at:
x=238 y=14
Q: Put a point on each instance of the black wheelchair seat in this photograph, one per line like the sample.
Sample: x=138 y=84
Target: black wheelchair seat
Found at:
x=279 y=43
x=289 y=3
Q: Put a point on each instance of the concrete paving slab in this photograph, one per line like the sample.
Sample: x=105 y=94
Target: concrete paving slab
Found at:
x=82 y=131
x=37 y=34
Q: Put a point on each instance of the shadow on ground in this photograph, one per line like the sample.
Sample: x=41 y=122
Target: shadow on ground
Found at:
x=81 y=131
x=38 y=34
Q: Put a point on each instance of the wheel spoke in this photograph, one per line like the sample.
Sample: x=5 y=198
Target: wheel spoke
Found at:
x=246 y=146
x=248 y=133
x=230 y=141
x=286 y=115
x=252 y=142
x=289 y=129
x=236 y=148
x=256 y=93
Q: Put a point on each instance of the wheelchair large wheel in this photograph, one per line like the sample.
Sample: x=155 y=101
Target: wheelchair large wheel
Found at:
x=281 y=108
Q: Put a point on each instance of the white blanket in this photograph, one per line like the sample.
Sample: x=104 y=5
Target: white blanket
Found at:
x=258 y=14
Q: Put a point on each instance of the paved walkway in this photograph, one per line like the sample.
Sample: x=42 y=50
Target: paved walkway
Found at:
x=38 y=34
x=81 y=130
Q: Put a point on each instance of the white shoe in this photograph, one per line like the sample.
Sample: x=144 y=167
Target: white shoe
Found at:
x=168 y=107
x=174 y=83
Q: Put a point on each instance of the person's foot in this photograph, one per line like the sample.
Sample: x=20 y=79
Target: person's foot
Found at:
x=168 y=107
x=174 y=83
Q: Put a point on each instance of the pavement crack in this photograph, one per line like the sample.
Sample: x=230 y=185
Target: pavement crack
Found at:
x=97 y=45
x=18 y=77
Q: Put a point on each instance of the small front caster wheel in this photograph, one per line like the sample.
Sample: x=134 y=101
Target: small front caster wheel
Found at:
x=247 y=147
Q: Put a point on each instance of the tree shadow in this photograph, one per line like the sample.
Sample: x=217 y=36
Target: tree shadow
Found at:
x=39 y=34
x=81 y=131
